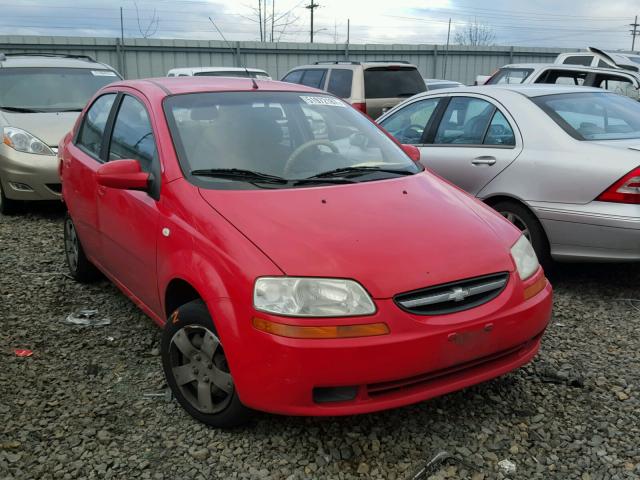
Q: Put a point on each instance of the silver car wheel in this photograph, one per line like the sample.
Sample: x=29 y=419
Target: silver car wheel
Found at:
x=71 y=245
x=199 y=368
x=518 y=222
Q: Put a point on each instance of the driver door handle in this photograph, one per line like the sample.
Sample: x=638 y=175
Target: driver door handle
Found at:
x=484 y=160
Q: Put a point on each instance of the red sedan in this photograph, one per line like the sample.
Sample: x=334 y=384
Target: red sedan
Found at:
x=298 y=259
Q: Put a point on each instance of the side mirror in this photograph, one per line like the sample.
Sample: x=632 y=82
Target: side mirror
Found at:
x=412 y=152
x=124 y=175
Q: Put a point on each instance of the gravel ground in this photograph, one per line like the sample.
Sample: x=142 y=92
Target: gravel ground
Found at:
x=77 y=407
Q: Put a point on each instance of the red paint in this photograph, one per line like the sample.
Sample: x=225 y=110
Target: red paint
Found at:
x=23 y=352
x=392 y=236
x=123 y=175
x=625 y=190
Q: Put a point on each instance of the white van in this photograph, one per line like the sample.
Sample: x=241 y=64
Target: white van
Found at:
x=218 y=72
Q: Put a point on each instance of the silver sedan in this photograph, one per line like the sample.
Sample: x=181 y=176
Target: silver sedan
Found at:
x=562 y=163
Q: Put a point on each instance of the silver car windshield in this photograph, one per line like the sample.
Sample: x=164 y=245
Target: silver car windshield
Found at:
x=593 y=115
x=50 y=89
x=258 y=136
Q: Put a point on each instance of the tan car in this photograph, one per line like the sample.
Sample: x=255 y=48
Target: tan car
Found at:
x=40 y=99
x=371 y=87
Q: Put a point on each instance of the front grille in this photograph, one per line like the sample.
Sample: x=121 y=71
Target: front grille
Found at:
x=453 y=297
x=55 y=187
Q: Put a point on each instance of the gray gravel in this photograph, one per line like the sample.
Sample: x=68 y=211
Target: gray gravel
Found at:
x=77 y=407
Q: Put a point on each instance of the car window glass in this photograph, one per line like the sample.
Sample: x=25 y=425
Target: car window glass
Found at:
x=579 y=60
x=499 y=131
x=603 y=64
x=94 y=124
x=132 y=135
x=617 y=84
x=392 y=82
x=313 y=78
x=509 y=75
x=293 y=77
x=563 y=77
x=465 y=121
x=407 y=125
x=340 y=82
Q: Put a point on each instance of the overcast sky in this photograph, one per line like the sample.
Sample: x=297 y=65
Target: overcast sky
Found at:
x=544 y=23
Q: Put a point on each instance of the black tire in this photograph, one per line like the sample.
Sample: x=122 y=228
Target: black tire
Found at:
x=196 y=368
x=530 y=226
x=7 y=205
x=80 y=268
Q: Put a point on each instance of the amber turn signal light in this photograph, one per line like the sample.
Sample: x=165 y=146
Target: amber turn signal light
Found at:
x=330 y=331
x=535 y=288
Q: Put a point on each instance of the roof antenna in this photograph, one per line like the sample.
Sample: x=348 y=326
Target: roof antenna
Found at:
x=253 y=80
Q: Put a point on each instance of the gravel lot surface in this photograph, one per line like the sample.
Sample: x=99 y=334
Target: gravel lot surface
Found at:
x=77 y=407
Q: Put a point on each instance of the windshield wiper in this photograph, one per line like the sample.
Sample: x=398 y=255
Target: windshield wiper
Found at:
x=363 y=170
x=338 y=180
x=239 y=174
x=21 y=109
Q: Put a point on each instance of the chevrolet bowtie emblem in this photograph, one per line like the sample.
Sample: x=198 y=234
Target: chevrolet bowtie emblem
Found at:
x=458 y=294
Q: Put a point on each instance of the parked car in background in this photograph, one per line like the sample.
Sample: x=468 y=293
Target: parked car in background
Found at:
x=40 y=98
x=481 y=79
x=371 y=87
x=561 y=163
x=295 y=269
x=436 y=84
x=616 y=80
x=595 y=57
x=218 y=72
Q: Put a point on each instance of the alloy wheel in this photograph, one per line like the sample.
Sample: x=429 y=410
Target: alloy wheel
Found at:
x=200 y=369
x=518 y=222
x=71 y=245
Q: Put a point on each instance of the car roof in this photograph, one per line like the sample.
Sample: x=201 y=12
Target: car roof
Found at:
x=353 y=65
x=531 y=90
x=44 y=61
x=215 y=69
x=201 y=84
x=563 y=66
x=437 y=80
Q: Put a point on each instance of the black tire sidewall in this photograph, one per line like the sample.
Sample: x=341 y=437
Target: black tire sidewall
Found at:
x=196 y=313
x=7 y=206
x=85 y=271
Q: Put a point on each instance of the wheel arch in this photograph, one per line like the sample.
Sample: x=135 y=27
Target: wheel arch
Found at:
x=177 y=293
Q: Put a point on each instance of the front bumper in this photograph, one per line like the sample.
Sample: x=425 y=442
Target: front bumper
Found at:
x=26 y=176
x=597 y=231
x=421 y=358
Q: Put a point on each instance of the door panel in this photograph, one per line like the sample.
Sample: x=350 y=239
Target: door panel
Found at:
x=472 y=143
x=129 y=219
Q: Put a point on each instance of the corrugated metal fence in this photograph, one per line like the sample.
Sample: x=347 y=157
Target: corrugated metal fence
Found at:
x=138 y=58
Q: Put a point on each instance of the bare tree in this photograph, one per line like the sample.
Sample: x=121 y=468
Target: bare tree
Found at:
x=152 y=27
x=272 y=25
x=475 y=34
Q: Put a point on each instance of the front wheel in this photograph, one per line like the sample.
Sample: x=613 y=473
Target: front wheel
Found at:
x=196 y=368
x=530 y=227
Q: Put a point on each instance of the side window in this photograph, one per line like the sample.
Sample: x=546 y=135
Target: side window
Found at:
x=465 y=121
x=314 y=78
x=617 y=84
x=408 y=124
x=94 y=123
x=293 y=77
x=603 y=64
x=340 y=82
x=499 y=131
x=132 y=134
x=563 y=77
x=579 y=60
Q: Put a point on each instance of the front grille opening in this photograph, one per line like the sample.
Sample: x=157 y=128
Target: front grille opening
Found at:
x=55 y=187
x=334 y=394
x=454 y=296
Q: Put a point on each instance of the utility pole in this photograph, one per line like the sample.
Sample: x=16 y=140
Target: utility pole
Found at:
x=446 y=53
x=273 y=16
x=346 y=49
x=634 y=32
x=312 y=6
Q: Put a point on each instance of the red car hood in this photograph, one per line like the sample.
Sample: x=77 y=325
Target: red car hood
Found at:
x=392 y=236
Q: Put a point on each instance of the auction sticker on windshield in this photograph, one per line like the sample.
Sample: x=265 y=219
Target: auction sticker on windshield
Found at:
x=103 y=73
x=333 y=102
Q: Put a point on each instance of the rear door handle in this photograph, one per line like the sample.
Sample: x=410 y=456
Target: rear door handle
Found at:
x=484 y=160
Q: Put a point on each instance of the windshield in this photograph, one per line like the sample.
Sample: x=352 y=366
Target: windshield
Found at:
x=509 y=75
x=280 y=135
x=593 y=115
x=50 y=89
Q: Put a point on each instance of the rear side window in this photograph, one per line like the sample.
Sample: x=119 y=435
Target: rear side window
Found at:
x=509 y=75
x=563 y=77
x=340 y=82
x=579 y=60
x=465 y=121
x=499 y=131
x=293 y=77
x=94 y=123
x=617 y=84
x=313 y=78
x=132 y=134
x=392 y=82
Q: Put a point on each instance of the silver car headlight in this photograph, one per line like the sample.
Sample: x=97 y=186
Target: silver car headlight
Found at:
x=23 y=141
x=525 y=258
x=311 y=297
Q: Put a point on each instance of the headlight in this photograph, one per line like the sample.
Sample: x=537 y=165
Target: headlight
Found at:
x=23 y=141
x=525 y=257
x=311 y=297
